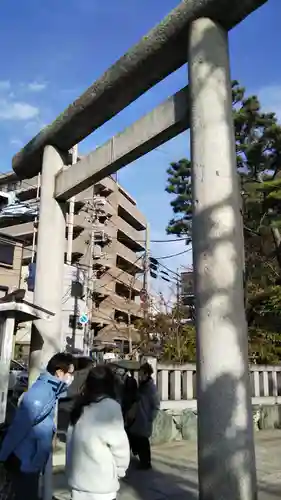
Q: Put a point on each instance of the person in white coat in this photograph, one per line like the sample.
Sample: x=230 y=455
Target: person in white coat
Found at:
x=98 y=452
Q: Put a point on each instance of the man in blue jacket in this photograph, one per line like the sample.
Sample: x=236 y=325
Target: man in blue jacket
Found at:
x=28 y=442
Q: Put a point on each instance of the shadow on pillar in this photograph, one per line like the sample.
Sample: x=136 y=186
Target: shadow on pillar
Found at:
x=225 y=431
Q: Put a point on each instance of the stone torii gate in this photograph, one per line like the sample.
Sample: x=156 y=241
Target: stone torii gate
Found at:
x=194 y=32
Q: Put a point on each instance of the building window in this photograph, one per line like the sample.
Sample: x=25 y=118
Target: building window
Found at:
x=7 y=254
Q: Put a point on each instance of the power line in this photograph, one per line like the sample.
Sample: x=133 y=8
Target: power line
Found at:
x=173 y=255
x=138 y=241
x=116 y=278
x=168 y=269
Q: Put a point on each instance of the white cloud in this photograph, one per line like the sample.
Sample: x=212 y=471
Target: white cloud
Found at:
x=36 y=86
x=270 y=98
x=17 y=110
x=16 y=142
x=5 y=85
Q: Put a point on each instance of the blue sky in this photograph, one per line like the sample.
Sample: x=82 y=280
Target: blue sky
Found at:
x=52 y=51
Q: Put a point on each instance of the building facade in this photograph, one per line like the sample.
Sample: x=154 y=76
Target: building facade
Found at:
x=11 y=252
x=104 y=214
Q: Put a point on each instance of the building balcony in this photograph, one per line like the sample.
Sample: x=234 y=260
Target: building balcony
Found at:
x=103 y=259
x=106 y=185
x=28 y=190
x=82 y=198
x=114 y=303
x=126 y=279
x=123 y=305
x=106 y=284
x=101 y=317
x=23 y=231
x=135 y=262
x=129 y=212
x=128 y=235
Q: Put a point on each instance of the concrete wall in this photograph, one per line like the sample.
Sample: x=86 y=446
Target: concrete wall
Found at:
x=126 y=230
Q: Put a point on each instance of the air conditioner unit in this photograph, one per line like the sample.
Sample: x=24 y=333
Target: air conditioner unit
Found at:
x=99 y=237
x=97 y=252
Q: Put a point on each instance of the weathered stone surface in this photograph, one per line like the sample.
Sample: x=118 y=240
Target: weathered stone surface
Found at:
x=163 y=428
x=188 y=425
x=165 y=121
x=267 y=416
x=160 y=52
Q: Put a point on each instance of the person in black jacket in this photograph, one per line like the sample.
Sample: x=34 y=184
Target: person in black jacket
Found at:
x=142 y=416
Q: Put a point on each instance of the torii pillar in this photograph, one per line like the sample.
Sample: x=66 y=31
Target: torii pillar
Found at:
x=46 y=337
x=226 y=456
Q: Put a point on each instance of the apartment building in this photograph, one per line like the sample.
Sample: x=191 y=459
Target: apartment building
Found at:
x=119 y=231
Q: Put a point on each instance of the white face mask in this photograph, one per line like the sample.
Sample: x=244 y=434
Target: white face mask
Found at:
x=68 y=379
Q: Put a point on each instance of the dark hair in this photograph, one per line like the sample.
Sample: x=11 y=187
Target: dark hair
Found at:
x=100 y=383
x=82 y=362
x=60 y=361
x=147 y=369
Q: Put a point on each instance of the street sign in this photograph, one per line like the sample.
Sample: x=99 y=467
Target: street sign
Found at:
x=83 y=319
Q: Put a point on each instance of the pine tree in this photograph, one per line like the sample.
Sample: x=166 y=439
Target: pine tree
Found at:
x=258 y=149
x=179 y=184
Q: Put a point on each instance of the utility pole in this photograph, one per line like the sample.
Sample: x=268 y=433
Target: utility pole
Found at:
x=71 y=215
x=75 y=313
x=178 y=314
x=130 y=340
x=90 y=290
x=35 y=230
x=91 y=208
x=146 y=270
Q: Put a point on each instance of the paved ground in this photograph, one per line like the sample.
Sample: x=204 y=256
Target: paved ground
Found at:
x=174 y=473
